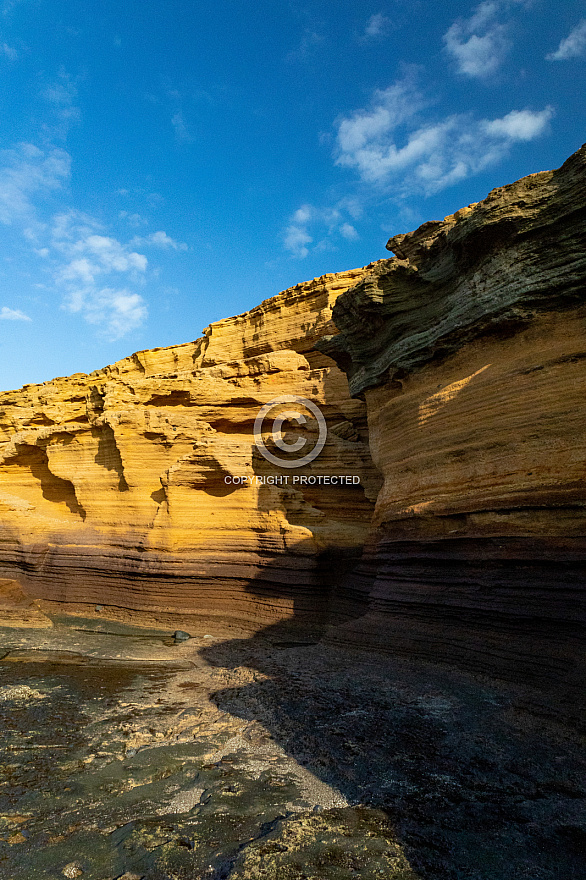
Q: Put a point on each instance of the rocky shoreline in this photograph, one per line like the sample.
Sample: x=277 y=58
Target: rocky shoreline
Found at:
x=133 y=755
x=384 y=674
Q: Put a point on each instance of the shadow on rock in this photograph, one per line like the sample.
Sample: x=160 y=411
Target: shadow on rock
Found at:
x=474 y=786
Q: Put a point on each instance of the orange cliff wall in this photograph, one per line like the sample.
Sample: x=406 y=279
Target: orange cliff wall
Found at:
x=459 y=398
x=469 y=349
x=113 y=491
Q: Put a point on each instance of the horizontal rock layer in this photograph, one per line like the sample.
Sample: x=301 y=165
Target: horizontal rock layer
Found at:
x=463 y=417
x=469 y=349
x=117 y=489
x=487 y=268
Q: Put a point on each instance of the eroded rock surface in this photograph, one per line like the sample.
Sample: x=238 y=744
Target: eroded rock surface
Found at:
x=113 y=487
x=469 y=349
x=466 y=358
x=236 y=759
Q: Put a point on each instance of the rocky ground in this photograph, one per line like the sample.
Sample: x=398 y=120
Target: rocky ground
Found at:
x=129 y=755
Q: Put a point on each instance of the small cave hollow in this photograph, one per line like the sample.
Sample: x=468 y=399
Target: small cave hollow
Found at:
x=108 y=455
x=53 y=488
x=174 y=398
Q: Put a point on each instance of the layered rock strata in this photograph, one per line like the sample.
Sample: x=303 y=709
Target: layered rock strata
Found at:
x=137 y=492
x=138 y=489
x=469 y=349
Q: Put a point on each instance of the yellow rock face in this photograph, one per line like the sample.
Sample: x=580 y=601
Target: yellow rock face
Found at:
x=474 y=443
x=140 y=489
x=117 y=488
x=469 y=349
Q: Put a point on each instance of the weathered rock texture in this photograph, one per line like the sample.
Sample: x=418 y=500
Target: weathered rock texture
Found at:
x=113 y=491
x=469 y=349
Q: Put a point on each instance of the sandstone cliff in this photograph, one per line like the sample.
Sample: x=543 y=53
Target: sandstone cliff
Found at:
x=469 y=349
x=113 y=487
x=466 y=389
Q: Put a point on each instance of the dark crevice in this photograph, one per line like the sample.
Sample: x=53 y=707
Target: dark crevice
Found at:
x=95 y=402
x=54 y=488
x=266 y=829
x=108 y=454
x=158 y=437
x=137 y=362
x=40 y=419
x=174 y=398
x=159 y=495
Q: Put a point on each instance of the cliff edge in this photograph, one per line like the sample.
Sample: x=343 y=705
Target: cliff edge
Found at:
x=137 y=493
x=452 y=378
x=469 y=350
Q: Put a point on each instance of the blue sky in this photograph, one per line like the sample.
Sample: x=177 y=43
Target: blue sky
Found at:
x=164 y=165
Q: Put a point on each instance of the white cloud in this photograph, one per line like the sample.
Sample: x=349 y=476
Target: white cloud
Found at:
x=71 y=224
x=159 y=239
x=62 y=92
x=180 y=126
x=61 y=95
x=8 y=52
x=348 y=231
x=116 y=311
x=519 y=125
x=480 y=43
x=573 y=46
x=376 y=25
x=388 y=142
x=94 y=272
x=303 y=214
x=82 y=258
x=132 y=219
x=390 y=107
x=298 y=236
x=94 y=255
x=309 y=43
x=112 y=256
x=296 y=240
x=7 y=314
x=26 y=172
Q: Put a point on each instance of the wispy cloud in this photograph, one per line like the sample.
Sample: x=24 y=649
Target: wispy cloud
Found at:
x=399 y=148
x=96 y=272
x=479 y=44
x=161 y=240
x=117 y=311
x=61 y=95
x=389 y=143
x=308 y=44
x=572 y=46
x=296 y=239
x=8 y=51
x=180 y=126
x=348 y=232
x=309 y=221
x=376 y=26
x=84 y=261
x=135 y=219
x=28 y=173
x=93 y=271
x=9 y=5
x=7 y=314
x=518 y=125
